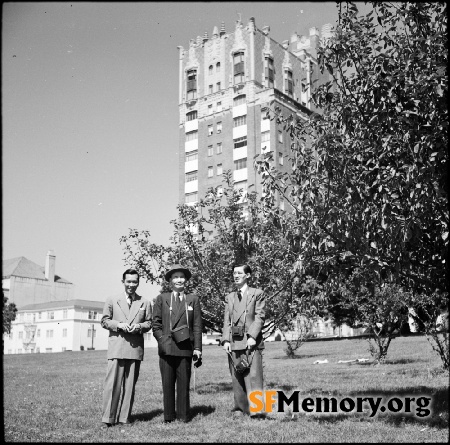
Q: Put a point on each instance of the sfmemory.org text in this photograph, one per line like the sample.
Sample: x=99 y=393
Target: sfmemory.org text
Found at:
x=264 y=401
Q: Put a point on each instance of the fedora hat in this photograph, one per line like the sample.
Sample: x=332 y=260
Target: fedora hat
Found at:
x=177 y=268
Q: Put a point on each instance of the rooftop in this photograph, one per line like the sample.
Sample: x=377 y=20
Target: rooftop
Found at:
x=22 y=267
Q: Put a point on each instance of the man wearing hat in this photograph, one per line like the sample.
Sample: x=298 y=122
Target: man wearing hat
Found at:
x=177 y=326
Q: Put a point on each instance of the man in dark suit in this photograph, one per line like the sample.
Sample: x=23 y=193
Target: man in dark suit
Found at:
x=242 y=337
x=127 y=316
x=177 y=326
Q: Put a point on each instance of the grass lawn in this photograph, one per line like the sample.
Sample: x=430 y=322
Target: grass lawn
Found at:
x=58 y=397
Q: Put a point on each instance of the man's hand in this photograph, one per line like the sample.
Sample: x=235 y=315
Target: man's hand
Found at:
x=134 y=328
x=198 y=353
x=123 y=327
x=227 y=346
x=250 y=342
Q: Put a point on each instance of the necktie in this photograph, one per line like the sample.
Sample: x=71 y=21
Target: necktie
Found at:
x=129 y=300
x=239 y=293
x=181 y=296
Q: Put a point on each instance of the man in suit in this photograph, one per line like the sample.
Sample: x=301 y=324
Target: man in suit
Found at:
x=127 y=317
x=177 y=326
x=242 y=337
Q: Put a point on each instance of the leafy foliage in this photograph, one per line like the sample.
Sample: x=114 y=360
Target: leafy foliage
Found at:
x=369 y=183
x=9 y=315
x=222 y=230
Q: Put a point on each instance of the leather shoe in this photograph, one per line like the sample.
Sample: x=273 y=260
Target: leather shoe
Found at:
x=168 y=421
x=105 y=425
x=125 y=423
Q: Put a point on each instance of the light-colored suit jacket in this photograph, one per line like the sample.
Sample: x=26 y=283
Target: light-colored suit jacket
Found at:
x=254 y=319
x=124 y=345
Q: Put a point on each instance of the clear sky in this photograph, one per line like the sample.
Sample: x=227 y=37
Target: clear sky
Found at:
x=90 y=123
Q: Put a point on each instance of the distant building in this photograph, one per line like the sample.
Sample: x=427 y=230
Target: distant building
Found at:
x=25 y=282
x=225 y=83
x=57 y=326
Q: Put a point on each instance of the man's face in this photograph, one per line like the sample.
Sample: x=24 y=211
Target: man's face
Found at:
x=131 y=283
x=177 y=281
x=240 y=277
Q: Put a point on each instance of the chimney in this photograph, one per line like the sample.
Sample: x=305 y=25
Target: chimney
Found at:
x=50 y=266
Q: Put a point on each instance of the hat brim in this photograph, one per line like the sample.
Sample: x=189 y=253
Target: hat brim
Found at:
x=186 y=272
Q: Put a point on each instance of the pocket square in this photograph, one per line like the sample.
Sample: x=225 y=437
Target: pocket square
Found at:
x=190 y=308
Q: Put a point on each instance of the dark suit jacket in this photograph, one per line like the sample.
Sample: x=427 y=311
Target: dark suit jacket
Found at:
x=123 y=344
x=254 y=320
x=161 y=325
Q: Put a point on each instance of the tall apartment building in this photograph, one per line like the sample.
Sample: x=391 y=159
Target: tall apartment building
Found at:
x=224 y=83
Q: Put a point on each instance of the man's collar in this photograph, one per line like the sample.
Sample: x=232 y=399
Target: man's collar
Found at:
x=133 y=296
x=243 y=289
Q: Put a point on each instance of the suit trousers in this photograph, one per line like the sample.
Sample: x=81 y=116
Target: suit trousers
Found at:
x=121 y=374
x=175 y=369
x=245 y=383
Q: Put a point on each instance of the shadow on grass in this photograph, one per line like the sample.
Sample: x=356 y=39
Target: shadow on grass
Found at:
x=295 y=357
x=214 y=387
x=145 y=417
x=438 y=416
x=201 y=410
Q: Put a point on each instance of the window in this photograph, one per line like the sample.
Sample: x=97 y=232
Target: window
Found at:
x=48 y=349
x=49 y=333
x=65 y=313
x=240 y=164
x=210 y=89
x=219 y=169
x=192 y=135
x=210 y=70
x=239 y=71
x=239 y=100
x=90 y=332
x=11 y=336
x=265 y=136
x=50 y=315
x=210 y=172
x=219 y=127
x=210 y=150
x=219 y=106
x=268 y=72
x=191 y=197
x=288 y=85
x=191 y=84
x=218 y=67
x=191 y=176
x=192 y=156
x=210 y=109
x=191 y=116
x=21 y=317
x=38 y=333
x=280 y=136
x=219 y=148
x=241 y=120
x=38 y=349
x=210 y=130
x=39 y=315
x=280 y=158
x=218 y=86
x=92 y=315
x=65 y=332
x=241 y=185
x=20 y=335
x=240 y=142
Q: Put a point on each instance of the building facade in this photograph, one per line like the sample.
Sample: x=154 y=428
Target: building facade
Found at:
x=225 y=84
x=25 y=282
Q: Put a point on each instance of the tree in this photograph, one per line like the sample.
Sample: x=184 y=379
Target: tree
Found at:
x=430 y=315
x=359 y=302
x=369 y=183
x=225 y=229
x=9 y=315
